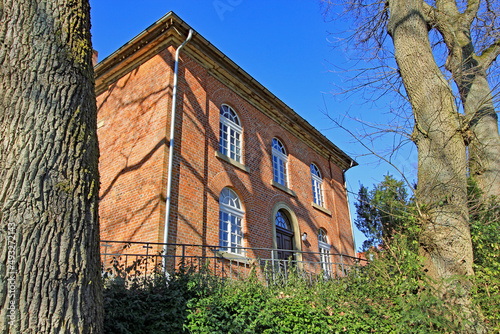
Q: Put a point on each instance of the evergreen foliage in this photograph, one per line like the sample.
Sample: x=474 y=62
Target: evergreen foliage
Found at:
x=390 y=295
x=154 y=304
x=385 y=210
x=485 y=234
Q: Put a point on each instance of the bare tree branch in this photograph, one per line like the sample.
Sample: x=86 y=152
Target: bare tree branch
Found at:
x=490 y=54
x=470 y=13
x=429 y=14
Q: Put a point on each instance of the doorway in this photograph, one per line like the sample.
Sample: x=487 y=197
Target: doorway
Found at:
x=284 y=236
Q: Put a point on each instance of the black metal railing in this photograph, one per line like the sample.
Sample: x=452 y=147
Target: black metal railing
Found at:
x=131 y=258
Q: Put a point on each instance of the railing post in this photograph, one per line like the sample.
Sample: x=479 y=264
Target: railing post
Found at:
x=230 y=268
x=164 y=260
x=272 y=265
x=147 y=258
x=106 y=245
x=216 y=261
x=183 y=259
x=342 y=265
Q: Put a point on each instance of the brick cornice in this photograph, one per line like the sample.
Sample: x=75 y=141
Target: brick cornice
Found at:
x=171 y=30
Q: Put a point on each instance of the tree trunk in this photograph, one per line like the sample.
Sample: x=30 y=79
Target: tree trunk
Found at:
x=484 y=145
x=442 y=174
x=49 y=240
x=470 y=74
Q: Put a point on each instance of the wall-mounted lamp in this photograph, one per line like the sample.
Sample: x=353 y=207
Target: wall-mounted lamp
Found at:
x=304 y=236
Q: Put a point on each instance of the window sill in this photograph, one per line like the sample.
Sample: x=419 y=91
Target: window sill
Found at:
x=283 y=188
x=232 y=256
x=232 y=162
x=322 y=209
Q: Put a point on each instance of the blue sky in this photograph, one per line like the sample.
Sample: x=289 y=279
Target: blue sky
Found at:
x=285 y=45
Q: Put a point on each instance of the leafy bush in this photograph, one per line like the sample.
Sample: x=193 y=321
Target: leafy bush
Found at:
x=154 y=304
x=388 y=296
x=485 y=234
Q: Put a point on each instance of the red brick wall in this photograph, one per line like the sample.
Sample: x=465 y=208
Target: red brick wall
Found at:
x=132 y=115
x=134 y=160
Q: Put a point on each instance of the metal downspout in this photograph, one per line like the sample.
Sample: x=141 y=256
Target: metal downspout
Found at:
x=349 y=211
x=171 y=152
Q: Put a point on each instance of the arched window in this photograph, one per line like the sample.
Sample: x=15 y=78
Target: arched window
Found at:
x=282 y=220
x=322 y=238
x=280 y=161
x=230 y=216
x=230 y=133
x=317 y=185
x=324 y=253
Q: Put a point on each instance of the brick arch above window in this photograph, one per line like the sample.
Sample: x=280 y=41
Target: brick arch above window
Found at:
x=225 y=96
x=229 y=179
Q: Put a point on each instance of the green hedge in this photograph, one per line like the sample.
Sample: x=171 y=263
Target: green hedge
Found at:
x=155 y=305
x=390 y=295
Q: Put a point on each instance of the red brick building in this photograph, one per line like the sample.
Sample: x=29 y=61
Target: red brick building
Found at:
x=247 y=170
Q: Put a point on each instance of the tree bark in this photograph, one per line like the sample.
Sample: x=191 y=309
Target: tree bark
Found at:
x=469 y=71
x=442 y=174
x=49 y=241
x=484 y=143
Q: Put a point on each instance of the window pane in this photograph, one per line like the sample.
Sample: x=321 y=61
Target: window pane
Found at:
x=228 y=112
x=316 y=185
x=278 y=146
x=315 y=170
x=223 y=139
x=317 y=193
x=229 y=136
x=230 y=232
x=326 y=264
x=322 y=237
x=229 y=197
x=281 y=220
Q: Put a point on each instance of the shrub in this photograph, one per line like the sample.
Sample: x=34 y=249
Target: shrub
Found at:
x=485 y=234
x=388 y=296
x=154 y=304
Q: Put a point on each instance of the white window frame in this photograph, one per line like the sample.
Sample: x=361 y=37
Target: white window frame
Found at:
x=324 y=253
x=230 y=222
x=230 y=134
x=317 y=186
x=280 y=159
